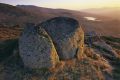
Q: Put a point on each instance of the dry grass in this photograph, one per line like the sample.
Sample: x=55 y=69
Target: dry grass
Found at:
x=9 y=33
x=84 y=69
x=98 y=61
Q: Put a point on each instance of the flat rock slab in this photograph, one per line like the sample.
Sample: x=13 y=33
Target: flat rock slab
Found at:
x=36 y=48
x=67 y=35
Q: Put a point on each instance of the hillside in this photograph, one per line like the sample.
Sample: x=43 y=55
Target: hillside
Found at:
x=12 y=15
x=56 y=12
x=99 y=61
x=22 y=14
x=38 y=14
x=109 y=26
x=78 y=48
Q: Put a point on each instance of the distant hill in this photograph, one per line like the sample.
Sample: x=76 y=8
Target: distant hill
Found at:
x=55 y=12
x=109 y=12
x=12 y=15
x=42 y=13
x=49 y=12
x=12 y=10
x=22 y=14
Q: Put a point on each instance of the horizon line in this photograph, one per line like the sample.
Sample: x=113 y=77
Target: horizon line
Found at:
x=57 y=8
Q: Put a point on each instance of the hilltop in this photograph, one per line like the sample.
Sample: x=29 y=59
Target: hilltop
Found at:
x=95 y=42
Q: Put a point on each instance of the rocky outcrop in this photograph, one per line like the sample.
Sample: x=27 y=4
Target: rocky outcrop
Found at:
x=67 y=36
x=36 y=48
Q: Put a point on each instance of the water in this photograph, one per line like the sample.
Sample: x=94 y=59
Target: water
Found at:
x=91 y=18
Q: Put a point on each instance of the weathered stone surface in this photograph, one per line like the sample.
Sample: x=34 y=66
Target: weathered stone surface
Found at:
x=67 y=36
x=36 y=48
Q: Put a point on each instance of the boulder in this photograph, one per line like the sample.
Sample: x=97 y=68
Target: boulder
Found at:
x=67 y=36
x=36 y=48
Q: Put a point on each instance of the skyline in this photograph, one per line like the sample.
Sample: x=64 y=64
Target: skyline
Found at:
x=68 y=4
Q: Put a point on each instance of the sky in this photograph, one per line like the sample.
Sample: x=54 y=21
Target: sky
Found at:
x=66 y=4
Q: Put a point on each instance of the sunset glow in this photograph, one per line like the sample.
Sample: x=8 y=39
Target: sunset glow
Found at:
x=66 y=4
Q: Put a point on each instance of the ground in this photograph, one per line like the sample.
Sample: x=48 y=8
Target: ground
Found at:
x=92 y=66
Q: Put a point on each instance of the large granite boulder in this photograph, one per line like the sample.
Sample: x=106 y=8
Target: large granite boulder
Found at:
x=36 y=48
x=67 y=35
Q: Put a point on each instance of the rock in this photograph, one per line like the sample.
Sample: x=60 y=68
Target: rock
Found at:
x=67 y=36
x=36 y=48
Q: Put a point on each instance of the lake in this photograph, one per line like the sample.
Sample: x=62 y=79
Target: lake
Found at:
x=91 y=18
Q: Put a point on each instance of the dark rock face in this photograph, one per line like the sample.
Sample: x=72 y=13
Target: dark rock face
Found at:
x=67 y=36
x=36 y=48
x=7 y=47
